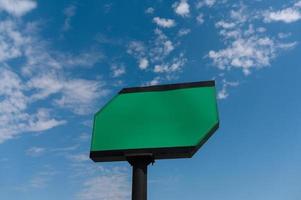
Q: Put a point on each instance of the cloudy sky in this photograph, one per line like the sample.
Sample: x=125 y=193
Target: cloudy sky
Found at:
x=60 y=61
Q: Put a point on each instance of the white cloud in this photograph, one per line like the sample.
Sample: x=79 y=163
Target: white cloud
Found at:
x=282 y=35
x=287 y=46
x=39 y=74
x=298 y=4
x=40 y=180
x=35 y=151
x=82 y=157
x=183 y=32
x=69 y=12
x=11 y=91
x=261 y=29
x=17 y=8
x=246 y=47
x=42 y=121
x=143 y=63
x=287 y=15
x=86 y=59
x=45 y=85
x=14 y=119
x=11 y=41
x=150 y=10
x=203 y=3
x=118 y=70
x=160 y=68
x=154 y=81
x=12 y=104
x=225 y=25
x=168 y=47
x=84 y=137
x=78 y=95
x=162 y=47
x=223 y=93
x=161 y=54
x=64 y=149
x=113 y=186
x=245 y=53
x=200 y=18
x=175 y=65
x=158 y=52
x=181 y=8
x=38 y=56
x=136 y=48
x=165 y=23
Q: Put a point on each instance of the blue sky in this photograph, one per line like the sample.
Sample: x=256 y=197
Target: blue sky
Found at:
x=60 y=61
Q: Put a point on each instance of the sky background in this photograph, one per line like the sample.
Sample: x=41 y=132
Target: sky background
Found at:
x=60 y=61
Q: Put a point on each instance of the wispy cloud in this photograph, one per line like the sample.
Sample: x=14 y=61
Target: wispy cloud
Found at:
x=85 y=59
x=13 y=116
x=225 y=25
x=298 y=4
x=162 y=46
x=181 y=8
x=118 y=70
x=81 y=157
x=246 y=47
x=154 y=81
x=163 y=22
x=64 y=149
x=42 y=121
x=84 y=137
x=245 y=53
x=138 y=50
x=80 y=95
x=39 y=75
x=39 y=180
x=287 y=15
x=12 y=41
x=159 y=55
x=175 y=65
x=35 y=151
x=202 y=3
x=77 y=95
x=282 y=35
x=17 y=8
x=223 y=93
x=150 y=10
x=69 y=12
x=183 y=32
x=200 y=19
x=143 y=63
x=113 y=186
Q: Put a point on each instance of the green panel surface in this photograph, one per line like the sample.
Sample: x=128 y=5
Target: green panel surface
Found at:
x=155 y=119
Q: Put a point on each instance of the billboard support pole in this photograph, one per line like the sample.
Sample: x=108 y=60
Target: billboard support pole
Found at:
x=139 y=176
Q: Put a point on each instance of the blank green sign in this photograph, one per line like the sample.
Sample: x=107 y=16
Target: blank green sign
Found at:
x=166 y=121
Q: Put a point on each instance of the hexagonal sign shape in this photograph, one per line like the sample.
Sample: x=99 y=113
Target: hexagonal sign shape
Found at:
x=163 y=121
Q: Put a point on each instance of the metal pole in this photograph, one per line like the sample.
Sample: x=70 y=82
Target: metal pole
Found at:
x=139 y=177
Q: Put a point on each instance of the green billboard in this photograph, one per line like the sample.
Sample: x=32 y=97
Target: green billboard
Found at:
x=164 y=121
